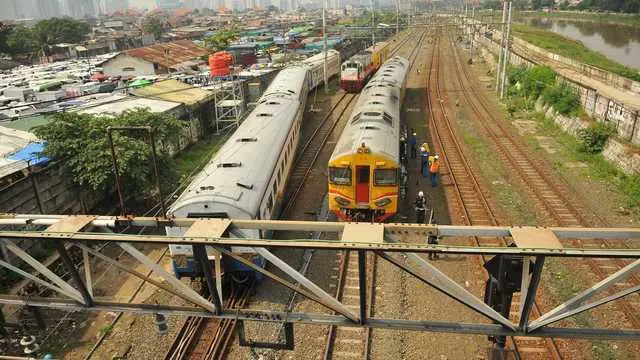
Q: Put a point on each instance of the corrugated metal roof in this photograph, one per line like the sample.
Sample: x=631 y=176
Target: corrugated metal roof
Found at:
x=118 y=107
x=174 y=90
x=178 y=52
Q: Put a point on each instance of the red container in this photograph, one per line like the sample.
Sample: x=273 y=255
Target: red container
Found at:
x=219 y=63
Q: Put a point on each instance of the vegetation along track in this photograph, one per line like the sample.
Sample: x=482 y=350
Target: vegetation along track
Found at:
x=558 y=206
x=348 y=343
x=474 y=207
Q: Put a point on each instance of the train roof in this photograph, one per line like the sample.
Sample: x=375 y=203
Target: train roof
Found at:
x=379 y=46
x=375 y=120
x=237 y=176
x=318 y=59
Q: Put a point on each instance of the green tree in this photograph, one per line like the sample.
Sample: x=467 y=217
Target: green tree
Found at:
x=153 y=25
x=81 y=142
x=21 y=40
x=5 y=31
x=60 y=30
x=221 y=39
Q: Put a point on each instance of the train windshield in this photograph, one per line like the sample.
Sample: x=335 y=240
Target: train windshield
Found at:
x=384 y=177
x=340 y=176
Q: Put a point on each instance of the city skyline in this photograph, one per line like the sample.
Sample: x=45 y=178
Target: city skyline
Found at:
x=42 y=9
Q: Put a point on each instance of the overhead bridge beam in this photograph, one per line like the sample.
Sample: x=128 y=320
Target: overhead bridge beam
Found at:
x=325 y=320
x=213 y=238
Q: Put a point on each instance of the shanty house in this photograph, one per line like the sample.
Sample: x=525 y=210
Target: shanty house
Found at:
x=154 y=59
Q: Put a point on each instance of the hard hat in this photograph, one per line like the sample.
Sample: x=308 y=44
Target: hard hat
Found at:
x=420 y=193
x=436 y=157
x=414 y=134
x=422 y=149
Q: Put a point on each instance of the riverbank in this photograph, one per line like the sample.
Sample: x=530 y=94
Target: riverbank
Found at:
x=572 y=49
x=612 y=18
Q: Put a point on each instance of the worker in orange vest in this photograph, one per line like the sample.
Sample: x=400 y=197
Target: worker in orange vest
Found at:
x=434 y=168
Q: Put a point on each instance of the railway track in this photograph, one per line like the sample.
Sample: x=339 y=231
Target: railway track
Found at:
x=474 y=206
x=209 y=338
x=349 y=343
x=557 y=205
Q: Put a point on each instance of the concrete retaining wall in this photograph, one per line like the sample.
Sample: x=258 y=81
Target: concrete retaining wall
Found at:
x=56 y=195
x=601 y=108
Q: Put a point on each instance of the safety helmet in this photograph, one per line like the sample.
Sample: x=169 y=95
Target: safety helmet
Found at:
x=422 y=149
x=436 y=157
x=414 y=134
x=420 y=193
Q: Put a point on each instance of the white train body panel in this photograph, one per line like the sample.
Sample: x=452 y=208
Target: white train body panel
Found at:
x=316 y=67
x=375 y=119
x=247 y=176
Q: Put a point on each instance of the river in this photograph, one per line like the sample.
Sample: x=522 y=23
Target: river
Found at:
x=619 y=42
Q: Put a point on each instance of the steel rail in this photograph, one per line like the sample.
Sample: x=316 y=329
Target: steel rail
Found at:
x=521 y=161
x=549 y=344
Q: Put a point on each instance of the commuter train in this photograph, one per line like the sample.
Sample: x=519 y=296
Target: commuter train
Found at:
x=356 y=71
x=316 y=67
x=364 y=169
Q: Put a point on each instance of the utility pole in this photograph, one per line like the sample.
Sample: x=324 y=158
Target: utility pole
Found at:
x=373 y=24
x=501 y=54
x=397 y=16
x=324 y=45
x=506 y=54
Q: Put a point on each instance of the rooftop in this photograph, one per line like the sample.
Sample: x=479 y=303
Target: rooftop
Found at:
x=175 y=91
x=169 y=54
x=129 y=103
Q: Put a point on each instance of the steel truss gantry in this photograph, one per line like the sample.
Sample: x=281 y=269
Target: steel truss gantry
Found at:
x=533 y=244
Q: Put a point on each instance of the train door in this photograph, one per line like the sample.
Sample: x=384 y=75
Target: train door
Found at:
x=362 y=184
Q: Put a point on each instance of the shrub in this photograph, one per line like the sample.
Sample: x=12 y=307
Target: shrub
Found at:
x=594 y=137
x=564 y=98
x=536 y=79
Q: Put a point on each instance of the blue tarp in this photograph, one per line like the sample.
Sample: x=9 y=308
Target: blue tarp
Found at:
x=32 y=154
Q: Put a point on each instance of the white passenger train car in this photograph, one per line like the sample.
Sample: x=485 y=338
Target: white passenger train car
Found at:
x=247 y=176
x=316 y=67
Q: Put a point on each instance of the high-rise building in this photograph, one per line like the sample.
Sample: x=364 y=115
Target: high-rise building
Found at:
x=169 y=4
x=44 y=9
x=116 y=5
x=79 y=8
x=10 y=10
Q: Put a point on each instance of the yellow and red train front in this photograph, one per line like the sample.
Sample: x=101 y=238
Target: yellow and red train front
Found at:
x=363 y=186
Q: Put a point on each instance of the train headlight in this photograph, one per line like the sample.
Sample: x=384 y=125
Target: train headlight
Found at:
x=382 y=202
x=342 y=201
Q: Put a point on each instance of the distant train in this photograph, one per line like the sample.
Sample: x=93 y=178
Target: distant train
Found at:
x=364 y=169
x=356 y=71
x=247 y=176
x=316 y=67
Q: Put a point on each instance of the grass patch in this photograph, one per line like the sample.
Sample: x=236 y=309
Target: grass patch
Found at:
x=572 y=49
x=564 y=286
x=597 y=166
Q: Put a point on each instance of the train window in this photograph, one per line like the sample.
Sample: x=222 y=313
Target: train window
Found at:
x=385 y=177
x=247 y=139
x=229 y=164
x=372 y=114
x=340 y=176
x=388 y=118
x=264 y=115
